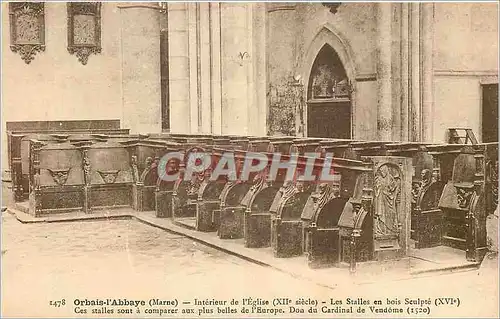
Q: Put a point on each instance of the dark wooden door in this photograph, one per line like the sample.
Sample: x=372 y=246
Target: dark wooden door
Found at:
x=329 y=119
x=490 y=113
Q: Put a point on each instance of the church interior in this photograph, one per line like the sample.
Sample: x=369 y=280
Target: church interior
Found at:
x=401 y=98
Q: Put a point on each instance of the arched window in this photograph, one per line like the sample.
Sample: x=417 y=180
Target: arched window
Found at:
x=328 y=97
x=328 y=77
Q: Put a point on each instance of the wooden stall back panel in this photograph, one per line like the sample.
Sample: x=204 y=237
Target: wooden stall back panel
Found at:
x=477 y=240
x=179 y=200
x=216 y=218
x=231 y=222
x=453 y=225
x=257 y=226
x=163 y=204
x=491 y=187
x=392 y=206
x=62 y=125
x=429 y=229
x=257 y=230
x=231 y=216
x=210 y=193
x=60 y=167
x=109 y=166
x=15 y=165
x=61 y=178
x=429 y=218
x=204 y=220
x=364 y=243
x=111 y=177
x=455 y=228
x=287 y=238
x=324 y=247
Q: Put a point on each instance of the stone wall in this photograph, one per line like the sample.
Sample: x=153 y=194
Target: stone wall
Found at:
x=122 y=82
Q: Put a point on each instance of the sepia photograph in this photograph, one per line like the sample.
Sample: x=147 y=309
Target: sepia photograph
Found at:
x=237 y=159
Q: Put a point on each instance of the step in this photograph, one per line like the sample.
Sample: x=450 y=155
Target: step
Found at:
x=454 y=242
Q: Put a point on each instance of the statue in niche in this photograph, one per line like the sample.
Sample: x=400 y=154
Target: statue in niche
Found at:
x=387 y=200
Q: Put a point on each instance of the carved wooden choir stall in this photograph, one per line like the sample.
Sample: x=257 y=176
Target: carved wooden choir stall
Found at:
x=384 y=198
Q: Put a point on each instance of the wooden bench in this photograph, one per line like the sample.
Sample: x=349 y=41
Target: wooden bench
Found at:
x=20 y=133
x=79 y=175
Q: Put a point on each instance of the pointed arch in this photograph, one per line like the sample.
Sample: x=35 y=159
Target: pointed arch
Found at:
x=327 y=35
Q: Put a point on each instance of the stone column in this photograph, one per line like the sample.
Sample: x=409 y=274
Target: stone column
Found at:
x=259 y=115
x=384 y=69
x=215 y=62
x=405 y=63
x=427 y=36
x=204 y=57
x=194 y=67
x=415 y=116
x=141 y=89
x=178 y=68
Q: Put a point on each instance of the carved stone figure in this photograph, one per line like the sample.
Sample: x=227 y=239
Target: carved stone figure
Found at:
x=387 y=200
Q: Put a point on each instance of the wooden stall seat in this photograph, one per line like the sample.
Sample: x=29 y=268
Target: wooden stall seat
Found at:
x=229 y=218
x=238 y=196
x=210 y=191
x=462 y=204
x=321 y=214
x=356 y=225
x=145 y=155
x=185 y=192
x=285 y=213
x=266 y=201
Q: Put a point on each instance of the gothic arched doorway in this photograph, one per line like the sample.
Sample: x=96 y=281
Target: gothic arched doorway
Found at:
x=328 y=97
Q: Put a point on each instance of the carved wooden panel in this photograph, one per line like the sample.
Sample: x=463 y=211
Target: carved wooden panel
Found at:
x=387 y=200
x=27 y=29
x=84 y=29
x=392 y=205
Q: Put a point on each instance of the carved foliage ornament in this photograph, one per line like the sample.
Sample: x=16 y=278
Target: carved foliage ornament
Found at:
x=27 y=29
x=84 y=29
